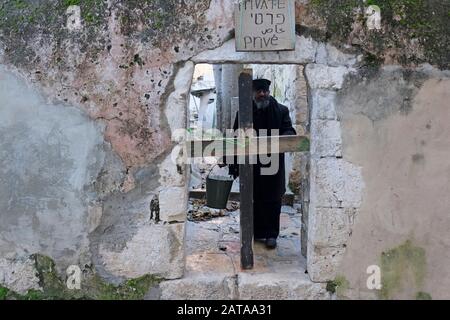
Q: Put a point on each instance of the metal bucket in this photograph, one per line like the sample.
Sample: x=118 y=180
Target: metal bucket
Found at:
x=218 y=190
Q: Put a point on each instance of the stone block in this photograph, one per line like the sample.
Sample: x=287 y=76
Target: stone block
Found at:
x=200 y=287
x=323 y=262
x=19 y=275
x=176 y=103
x=332 y=56
x=156 y=249
x=329 y=227
x=305 y=52
x=170 y=175
x=173 y=203
x=323 y=105
x=326 y=138
x=335 y=183
x=276 y=286
x=210 y=262
x=321 y=76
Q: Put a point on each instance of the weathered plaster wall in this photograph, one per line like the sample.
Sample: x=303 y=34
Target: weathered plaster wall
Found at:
x=101 y=182
x=50 y=155
x=62 y=196
x=379 y=179
x=121 y=67
x=395 y=127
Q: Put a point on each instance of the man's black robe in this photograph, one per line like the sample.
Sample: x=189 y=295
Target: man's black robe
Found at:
x=267 y=189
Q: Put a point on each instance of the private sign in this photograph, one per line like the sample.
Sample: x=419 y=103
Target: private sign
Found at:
x=265 y=25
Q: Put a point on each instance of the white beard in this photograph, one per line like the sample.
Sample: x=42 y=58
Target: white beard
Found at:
x=262 y=104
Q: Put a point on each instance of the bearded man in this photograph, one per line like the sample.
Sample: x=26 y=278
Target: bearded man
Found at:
x=268 y=188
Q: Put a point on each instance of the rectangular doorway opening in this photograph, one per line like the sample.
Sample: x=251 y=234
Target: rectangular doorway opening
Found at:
x=213 y=235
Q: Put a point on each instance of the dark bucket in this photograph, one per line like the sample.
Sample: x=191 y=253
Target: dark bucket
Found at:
x=218 y=190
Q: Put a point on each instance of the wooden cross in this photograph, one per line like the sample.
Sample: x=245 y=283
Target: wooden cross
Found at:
x=246 y=147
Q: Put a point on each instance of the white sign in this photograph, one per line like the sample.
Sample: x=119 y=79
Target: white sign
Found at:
x=265 y=25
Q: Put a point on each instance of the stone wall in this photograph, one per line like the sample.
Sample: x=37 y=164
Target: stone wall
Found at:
x=49 y=155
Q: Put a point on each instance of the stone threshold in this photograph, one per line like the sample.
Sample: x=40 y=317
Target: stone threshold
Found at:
x=244 y=286
x=213 y=271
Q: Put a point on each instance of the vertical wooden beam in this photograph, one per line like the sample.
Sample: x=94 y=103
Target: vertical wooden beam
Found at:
x=246 y=171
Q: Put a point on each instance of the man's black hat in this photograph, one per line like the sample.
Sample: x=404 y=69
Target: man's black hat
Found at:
x=261 y=84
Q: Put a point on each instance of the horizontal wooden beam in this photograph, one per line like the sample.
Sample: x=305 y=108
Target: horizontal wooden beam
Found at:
x=246 y=146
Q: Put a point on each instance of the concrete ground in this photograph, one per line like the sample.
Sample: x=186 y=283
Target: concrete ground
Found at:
x=215 y=245
x=213 y=263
